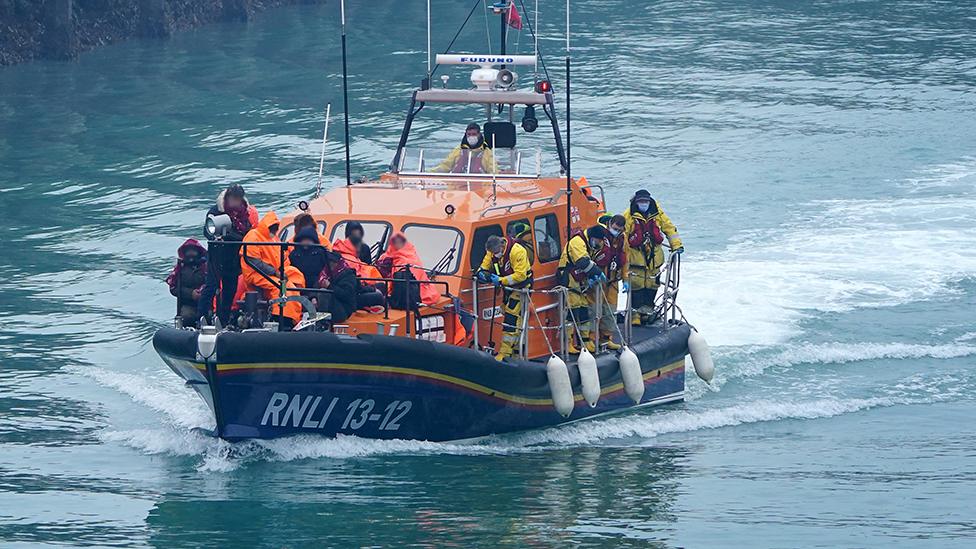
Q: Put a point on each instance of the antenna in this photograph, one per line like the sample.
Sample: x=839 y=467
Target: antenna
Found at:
x=325 y=137
x=569 y=177
x=428 y=41
x=345 y=89
x=535 y=34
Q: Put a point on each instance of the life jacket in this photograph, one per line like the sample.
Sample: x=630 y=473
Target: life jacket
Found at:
x=646 y=233
x=570 y=270
x=503 y=266
x=610 y=257
x=469 y=158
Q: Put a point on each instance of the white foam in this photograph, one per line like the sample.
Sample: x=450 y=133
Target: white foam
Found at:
x=842 y=353
x=917 y=389
x=942 y=176
x=166 y=394
x=850 y=254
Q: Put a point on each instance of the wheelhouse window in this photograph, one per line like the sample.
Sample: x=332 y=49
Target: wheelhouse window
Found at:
x=547 y=239
x=287 y=233
x=375 y=234
x=439 y=247
x=481 y=235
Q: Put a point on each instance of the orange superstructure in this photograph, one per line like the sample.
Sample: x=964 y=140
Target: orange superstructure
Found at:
x=451 y=217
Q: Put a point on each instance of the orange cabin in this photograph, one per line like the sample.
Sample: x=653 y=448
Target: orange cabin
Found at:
x=448 y=219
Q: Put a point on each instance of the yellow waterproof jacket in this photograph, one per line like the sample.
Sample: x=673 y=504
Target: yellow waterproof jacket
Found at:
x=637 y=257
x=513 y=268
x=457 y=161
x=576 y=262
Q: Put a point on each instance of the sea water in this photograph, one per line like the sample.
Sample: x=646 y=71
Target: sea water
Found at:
x=819 y=159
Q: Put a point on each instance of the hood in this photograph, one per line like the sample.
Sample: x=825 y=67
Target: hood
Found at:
x=191 y=243
x=264 y=226
x=481 y=143
x=307 y=232
x=651 y=212
x=220 y=201
x=407 y=255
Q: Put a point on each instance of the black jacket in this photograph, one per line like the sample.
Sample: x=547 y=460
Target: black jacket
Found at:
x=225 y=259
x=344 y=288
x=311 y=260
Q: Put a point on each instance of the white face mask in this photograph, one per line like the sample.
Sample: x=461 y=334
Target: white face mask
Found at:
x=596 y=243
x=498 y=255
x=472 y=140
x=643 y=206
x=614 y=232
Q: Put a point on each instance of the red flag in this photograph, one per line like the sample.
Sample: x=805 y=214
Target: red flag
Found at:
x=514 y=19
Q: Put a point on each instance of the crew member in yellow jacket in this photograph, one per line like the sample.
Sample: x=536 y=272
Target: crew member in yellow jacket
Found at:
x=579 y=273
x=473 y=155
x=646 y=227
x=611 y=257
x=507 y=264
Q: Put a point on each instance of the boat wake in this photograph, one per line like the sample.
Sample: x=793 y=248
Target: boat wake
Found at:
x=848 y=254
x=184 y=414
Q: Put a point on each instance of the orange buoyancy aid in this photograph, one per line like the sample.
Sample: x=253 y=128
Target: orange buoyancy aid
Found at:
x=351 y=255
x=407 y=256
x=270 y=256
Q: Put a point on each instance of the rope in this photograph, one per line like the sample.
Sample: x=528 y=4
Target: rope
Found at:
x=619 y=333
x=573 y=316
x=543 y=328
x=487 y=28
x=474 y=6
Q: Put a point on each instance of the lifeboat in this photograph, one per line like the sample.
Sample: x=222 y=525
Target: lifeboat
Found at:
x=428 y=372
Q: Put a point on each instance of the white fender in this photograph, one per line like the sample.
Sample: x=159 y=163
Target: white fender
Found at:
x=701 y=357
x=630 y=372
x=560 y=386
x=206 y=343
x=589 y=377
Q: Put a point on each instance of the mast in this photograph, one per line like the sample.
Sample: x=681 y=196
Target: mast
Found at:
x=504 y=32
x=569 y=176
x=345 y=88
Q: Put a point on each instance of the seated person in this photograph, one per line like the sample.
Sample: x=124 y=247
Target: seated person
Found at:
x=308 y=256
x=473 y=155
x=187 y=279
x=403 y=255
x=353 y=249
x=261 y=267
x=341 y=280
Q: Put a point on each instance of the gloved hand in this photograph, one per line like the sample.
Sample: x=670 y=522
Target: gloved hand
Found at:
x=495 y=279
x=483 y=276
x=679 y=250
x=626 y=286
x=598 y=278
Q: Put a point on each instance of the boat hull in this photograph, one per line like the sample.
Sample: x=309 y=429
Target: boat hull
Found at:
x=267 y=385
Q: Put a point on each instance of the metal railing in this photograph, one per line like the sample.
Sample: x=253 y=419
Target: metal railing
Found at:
x=665 y=306
x=282 y=282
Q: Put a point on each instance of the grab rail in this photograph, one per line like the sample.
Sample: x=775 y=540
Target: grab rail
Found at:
x=282 y=282
x=527 y=203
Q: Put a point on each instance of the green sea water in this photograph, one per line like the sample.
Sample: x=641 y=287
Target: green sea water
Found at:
x=819 y=159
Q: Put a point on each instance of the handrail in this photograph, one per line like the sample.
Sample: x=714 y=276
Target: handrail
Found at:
x=603 y=196
x=527 y=203
x=284 y=288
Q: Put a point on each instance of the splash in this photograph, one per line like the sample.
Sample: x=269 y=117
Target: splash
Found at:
x=850 y=254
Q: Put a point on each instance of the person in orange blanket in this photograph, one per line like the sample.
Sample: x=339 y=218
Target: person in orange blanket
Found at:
x=402 y=254
x=266 y=260
x=357 y=255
